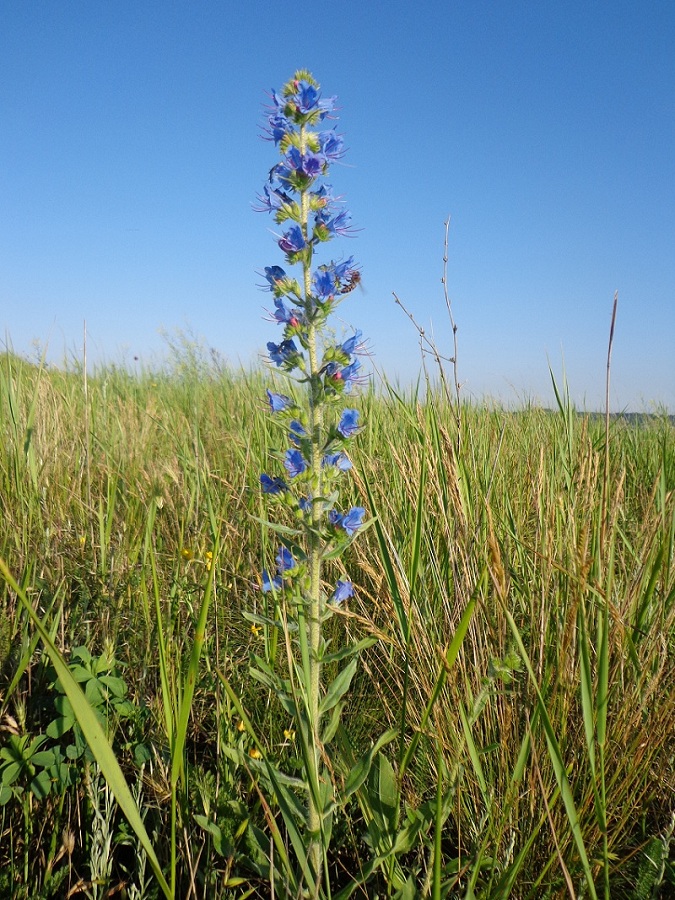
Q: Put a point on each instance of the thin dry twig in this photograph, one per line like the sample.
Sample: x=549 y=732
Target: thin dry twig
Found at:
x=605 y=478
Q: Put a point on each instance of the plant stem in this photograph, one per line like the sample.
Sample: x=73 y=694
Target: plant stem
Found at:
x=314 y=556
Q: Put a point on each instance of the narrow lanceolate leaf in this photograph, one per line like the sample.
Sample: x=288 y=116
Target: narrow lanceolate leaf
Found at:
x=359 y=771
x=93 y=733
x=338 y=687
x=349 y=650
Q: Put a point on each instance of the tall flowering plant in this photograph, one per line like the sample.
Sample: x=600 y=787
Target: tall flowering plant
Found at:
x=318 y=427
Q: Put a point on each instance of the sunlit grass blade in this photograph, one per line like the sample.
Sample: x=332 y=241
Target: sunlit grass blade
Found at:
x=556 y=760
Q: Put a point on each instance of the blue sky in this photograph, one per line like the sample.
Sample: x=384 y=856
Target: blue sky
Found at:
x=130 y=157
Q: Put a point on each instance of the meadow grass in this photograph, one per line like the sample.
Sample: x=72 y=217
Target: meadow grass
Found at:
x=519 y=644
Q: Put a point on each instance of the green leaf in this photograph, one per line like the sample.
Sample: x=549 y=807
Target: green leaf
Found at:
x=117 y=686
x=281 y=529
x=333 y=723
x=360 y=770
x=43 y=758
x=41 y=785
x=338 y=687
x=11 y=772
x=351 y=650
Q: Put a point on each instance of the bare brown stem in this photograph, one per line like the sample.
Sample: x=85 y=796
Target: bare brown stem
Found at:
x=605 y=478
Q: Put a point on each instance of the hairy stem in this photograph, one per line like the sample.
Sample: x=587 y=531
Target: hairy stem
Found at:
x=313 y=610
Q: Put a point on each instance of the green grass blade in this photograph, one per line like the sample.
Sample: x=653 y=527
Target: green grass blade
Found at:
x=447 y=664
x=389 y=570
x=557 y=761
x=193 y=671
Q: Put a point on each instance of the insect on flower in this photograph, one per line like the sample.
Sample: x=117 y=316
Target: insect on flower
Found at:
x=353 y=280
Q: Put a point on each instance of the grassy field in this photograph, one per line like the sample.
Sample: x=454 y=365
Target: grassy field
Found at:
x=516 y=600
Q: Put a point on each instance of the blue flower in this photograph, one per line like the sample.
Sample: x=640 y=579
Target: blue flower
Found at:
x=324 y=284
x=352 y=344
x=348 y=423
x=321 y=198
x=353 y=520
x=296 y=432
x=295 y=463
x=293 y=240
x=272 y=485
x=307 y=99
x=278 y=402
x=343 y=591
x=279 y=126
x=284 y=560
x=270 y=584
x=274 y=200
x=283 y=352
x=275 y=275
x=340 y=460
x=349 y=375
x=332 y=145
x=309 y=165
x=343 y=269
x=282 y=174
x=350 y=521
x=343 y=379
x=325 y=226
x=284 y=315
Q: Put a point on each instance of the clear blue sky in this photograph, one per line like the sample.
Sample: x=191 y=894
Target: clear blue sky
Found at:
x=130 y=156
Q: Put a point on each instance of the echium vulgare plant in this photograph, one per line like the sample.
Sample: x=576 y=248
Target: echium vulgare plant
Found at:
x=318 y=427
